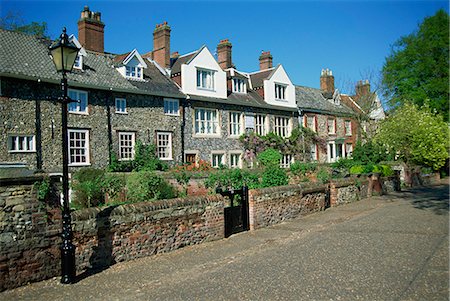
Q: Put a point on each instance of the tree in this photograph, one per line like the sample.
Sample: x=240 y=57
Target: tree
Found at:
x=418 y=67
x=14 y=22
x=417 y=135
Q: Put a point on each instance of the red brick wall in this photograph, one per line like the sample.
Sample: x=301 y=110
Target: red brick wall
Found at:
x=91 y=35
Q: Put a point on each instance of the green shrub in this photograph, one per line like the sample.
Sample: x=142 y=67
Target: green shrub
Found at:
x=357 y=169
x=234 y=178
x=43 y=189
x=148 y=186
x=87 y=187
x=300 y=168
x=144 y=159
x=344 y=163
x=370 y=153
x=269 y=157
x=323 y=175
x=113 y=184
x=274 y=176
x=386 y=170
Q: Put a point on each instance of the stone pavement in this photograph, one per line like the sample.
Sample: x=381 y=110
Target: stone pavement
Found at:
x=392 y=247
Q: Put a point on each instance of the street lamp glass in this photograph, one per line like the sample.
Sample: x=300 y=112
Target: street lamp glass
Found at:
x=64 y=53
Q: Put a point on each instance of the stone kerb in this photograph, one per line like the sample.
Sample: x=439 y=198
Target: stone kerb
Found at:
x=104 y=236
x=273 y=205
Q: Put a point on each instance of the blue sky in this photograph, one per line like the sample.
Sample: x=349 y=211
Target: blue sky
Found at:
x=352 y=38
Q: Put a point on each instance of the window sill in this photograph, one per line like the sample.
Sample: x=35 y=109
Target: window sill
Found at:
x=121 y=113
x=172 y=115
x=166 y=159
x=206 y=89
x=79 y=113
x=79 y=164
x=206 y=136
x=21 y=151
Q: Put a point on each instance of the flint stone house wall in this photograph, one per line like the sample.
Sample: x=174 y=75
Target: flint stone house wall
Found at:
x=204 y=146
x=26 y=109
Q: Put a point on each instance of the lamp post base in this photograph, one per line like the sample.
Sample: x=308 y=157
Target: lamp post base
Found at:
x=67 y=263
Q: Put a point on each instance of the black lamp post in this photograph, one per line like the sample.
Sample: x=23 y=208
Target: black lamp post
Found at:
x=64 y=54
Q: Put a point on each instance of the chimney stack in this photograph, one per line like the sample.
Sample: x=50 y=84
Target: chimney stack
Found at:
x=224 y=54
x=91 y=30
x=265 y=60
x=161 y=45
x=327 y=81
x=363 y=88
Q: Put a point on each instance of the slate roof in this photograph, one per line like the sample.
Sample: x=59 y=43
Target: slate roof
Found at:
x=176 y=63
x=258 y=78
x=311 y=99
x=27 y=57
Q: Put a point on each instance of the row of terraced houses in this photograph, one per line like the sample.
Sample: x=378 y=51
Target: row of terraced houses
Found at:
x=191 y=106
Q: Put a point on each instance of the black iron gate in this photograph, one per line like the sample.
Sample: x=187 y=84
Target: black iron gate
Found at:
x=236 y=215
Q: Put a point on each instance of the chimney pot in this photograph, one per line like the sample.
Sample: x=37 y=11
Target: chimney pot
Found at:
x=327 y=81
x=224 y=54
x=91 y=30
x=161 y=44
x=265 y=60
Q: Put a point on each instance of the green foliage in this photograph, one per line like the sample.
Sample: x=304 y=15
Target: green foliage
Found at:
x=113 y=184
x=147 y=186
x=416 y=135
x=43 y=189
x=386 y=170
x=87 y=185
x=269 y=157
x=144 y=159
x=370 y=152
x=274 y=175
x=344 y=163
x=183 y=177
x=234 y=178
x=323 y=175
x=357 y=169
x=299 y=168
x=418 y=66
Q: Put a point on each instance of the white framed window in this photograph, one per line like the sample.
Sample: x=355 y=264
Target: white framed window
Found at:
x=310 y=122
x=260 y=125
x=348 y=127
x=239 y=85
x=286 y=161
x=164 y=145
x=78 y=62
x=205 y=79
x=80 y=101
x=171 y=106
x=21 y=143
x=78 y=147
x=348 y=150
x=235 y=123
x=133 y=72
x=217 y=159
x=206 y=121
x=313 y=152
x=121 y=105
x=331 y=123
x=126 y=145
x=235 y=160
x=282 y=127
x=280 y=92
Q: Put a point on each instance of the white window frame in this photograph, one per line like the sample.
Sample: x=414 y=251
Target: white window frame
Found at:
x=348 y=150
x=286 y=160
x=235 y=124
x=280 y=91
x=239 y=85
x=85 y=147
x=261 y=124
x=171 y=107
x=314 y=122
x=21 y=143
x=125 y=147
x=164 y=146
x=234 y=164
x=75 y=107
x=133 y=72
x=121 y=106
x=313 y=152
x=78 y=64
x=348 y=127
x=202 y=82
x=282 y=126
x=333 y=125
x=209 y=124
x=332 y=153
x=215 y=155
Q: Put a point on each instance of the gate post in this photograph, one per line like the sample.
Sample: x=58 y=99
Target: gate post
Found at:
x=245 y=208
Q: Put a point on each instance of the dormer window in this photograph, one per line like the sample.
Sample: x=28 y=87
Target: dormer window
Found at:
x=133 y=72
x=280 y=92
x=78 y=62
x=239 y=85
x=205 y=79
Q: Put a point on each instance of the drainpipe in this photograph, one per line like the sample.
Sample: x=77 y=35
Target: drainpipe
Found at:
x=300 y=113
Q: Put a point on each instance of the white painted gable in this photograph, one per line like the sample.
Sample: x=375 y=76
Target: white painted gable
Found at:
x=377 y=112
x=279 y=76
x=203 y=60
x=133 y=59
